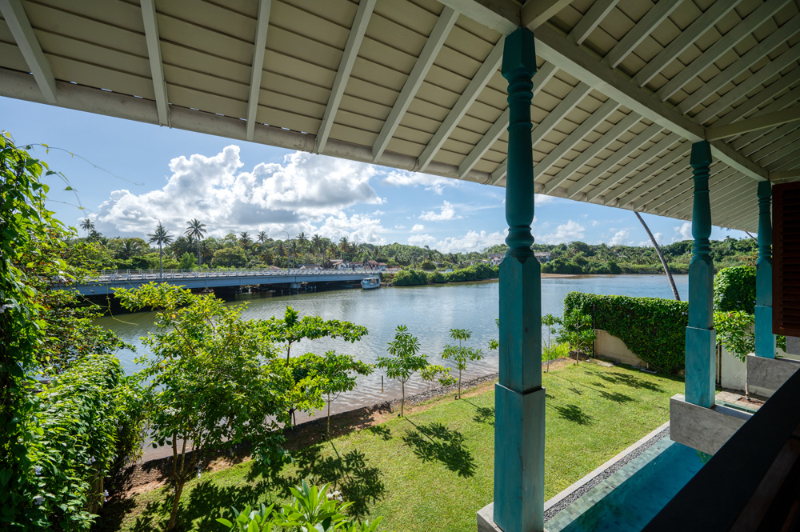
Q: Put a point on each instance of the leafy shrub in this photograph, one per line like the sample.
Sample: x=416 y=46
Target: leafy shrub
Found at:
x=577 y=330
x=187 y=261
x=654 y=329
x=436 y=277
x=428 y=266
x=86 y=419
x=614 y=268
x=410 y=278
x=311 y=509
x=735 y=289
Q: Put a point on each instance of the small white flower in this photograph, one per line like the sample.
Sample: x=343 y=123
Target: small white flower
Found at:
x=38 y=500
x=105 y=495
x=37 y=470
x=199 y=472
x=91 y=460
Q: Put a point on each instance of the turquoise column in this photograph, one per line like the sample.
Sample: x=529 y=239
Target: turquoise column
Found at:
x=765 y=340
x=700 y=334
x=519 y=396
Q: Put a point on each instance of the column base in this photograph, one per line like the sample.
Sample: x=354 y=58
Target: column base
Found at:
x=703 y=429
x=701 y=365
x=486 y=519
x=519 y=460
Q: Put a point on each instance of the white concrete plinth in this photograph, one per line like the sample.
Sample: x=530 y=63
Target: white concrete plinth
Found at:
x=704 y=429
x=486 y=519
x=769 y=373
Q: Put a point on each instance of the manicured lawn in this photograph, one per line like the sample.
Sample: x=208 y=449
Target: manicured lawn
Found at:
x=432 y=470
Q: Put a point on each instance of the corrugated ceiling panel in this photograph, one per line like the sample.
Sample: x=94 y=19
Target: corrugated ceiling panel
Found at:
x=195 y=99
x=211 y=17
x=118 y=13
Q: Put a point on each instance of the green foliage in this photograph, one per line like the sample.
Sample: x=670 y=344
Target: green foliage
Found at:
x=88 y=418
x=232 y=256
x=436 y=278
x=428 y=266
x=476 y=272
x=654 y=329
x=460 y=354
x=337 y=373
x=735 y=289
x=577 y=330
x=213 y=379
x=405 y=359
x=410 y=278
x=311 y=509
x=438 y=373
x=554 y=351
x=734 y=332
x=187 y=261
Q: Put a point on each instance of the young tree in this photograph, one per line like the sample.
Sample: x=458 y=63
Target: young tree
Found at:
x=161 y=237
x=405 y=360
x=213 y=379
x=186 y=262
x=87 y=225
x=549 y=321
x=461 y=354
x=338 y=374
x=577 y=330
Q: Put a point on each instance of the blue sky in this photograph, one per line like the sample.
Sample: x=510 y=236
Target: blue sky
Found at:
x=128 y=175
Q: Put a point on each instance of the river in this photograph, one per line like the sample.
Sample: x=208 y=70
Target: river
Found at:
x=428 y=311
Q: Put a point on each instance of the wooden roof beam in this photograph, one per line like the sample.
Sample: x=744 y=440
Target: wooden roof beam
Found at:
x=537 y=12
x=747 y=86
x=357 y=31
x=614 y=159
x=28 y=44
x=479 y=81
x=540 y=79
x=721 y=47
x=652 y=188
x=784 y=176
x=642 y=29
x=504 y=16
x=766 y=121
x=735 y=69
x=591 y=19
x=257 y=69
x=750 y=145
x=679 y=45
x=553 y=117
x=435 y=41
x=156 y=64
x=591 y=151
x=635 y=164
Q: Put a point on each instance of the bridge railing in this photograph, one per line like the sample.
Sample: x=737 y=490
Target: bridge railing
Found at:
x=154 y=275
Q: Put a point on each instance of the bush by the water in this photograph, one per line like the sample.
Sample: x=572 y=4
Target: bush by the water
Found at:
x=476 y=272
x=735 y=289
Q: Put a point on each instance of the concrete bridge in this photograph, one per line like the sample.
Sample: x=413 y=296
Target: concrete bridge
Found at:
x=291 y=279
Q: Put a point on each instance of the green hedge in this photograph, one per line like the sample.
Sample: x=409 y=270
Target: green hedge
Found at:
x=653 y=328
x=477 y=272
x=410 y=278
x=735 y=289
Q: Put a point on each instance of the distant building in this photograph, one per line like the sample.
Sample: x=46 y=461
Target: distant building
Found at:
x=339 y=264
x=375 y=265
x=309 y=266
x=496 y=258
x=542 y=256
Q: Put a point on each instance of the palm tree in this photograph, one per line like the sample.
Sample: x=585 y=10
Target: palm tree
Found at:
x=196 y=230
x=344 y=245
x=130 y=248
x=244 y=239
x=88 y=226
x=262 y=237
x=302 y=240
x=161 y=236
x=316 y=244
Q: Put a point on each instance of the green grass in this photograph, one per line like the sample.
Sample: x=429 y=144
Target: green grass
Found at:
x=433 y=469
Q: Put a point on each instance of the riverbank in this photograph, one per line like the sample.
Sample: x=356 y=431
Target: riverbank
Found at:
x=432 y=469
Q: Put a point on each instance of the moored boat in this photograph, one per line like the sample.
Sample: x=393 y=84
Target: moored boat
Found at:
x=369 y=283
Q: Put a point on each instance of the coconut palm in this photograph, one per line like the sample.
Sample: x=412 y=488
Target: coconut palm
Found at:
x=262 y=237
x=88 y=226
x=317 y=244
x=161 y=236
x=344 y=245
x=130 y=248
x=196 y=230
x=302 y=240
x=244 y=239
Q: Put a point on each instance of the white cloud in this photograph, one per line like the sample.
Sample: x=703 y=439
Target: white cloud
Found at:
x=399 y=226
x=430 y=182
x=541 y=199
x=472 y=241
x=595 y=223
x=568 y=232
x=683 y=232
x=357 y=228
x=619 y=238
x=272 y=197
x=659 y=239
x=418 y=228
x=421 y=240
x=446 y=212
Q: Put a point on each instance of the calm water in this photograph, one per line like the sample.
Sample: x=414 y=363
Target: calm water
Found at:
x=428 y=311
